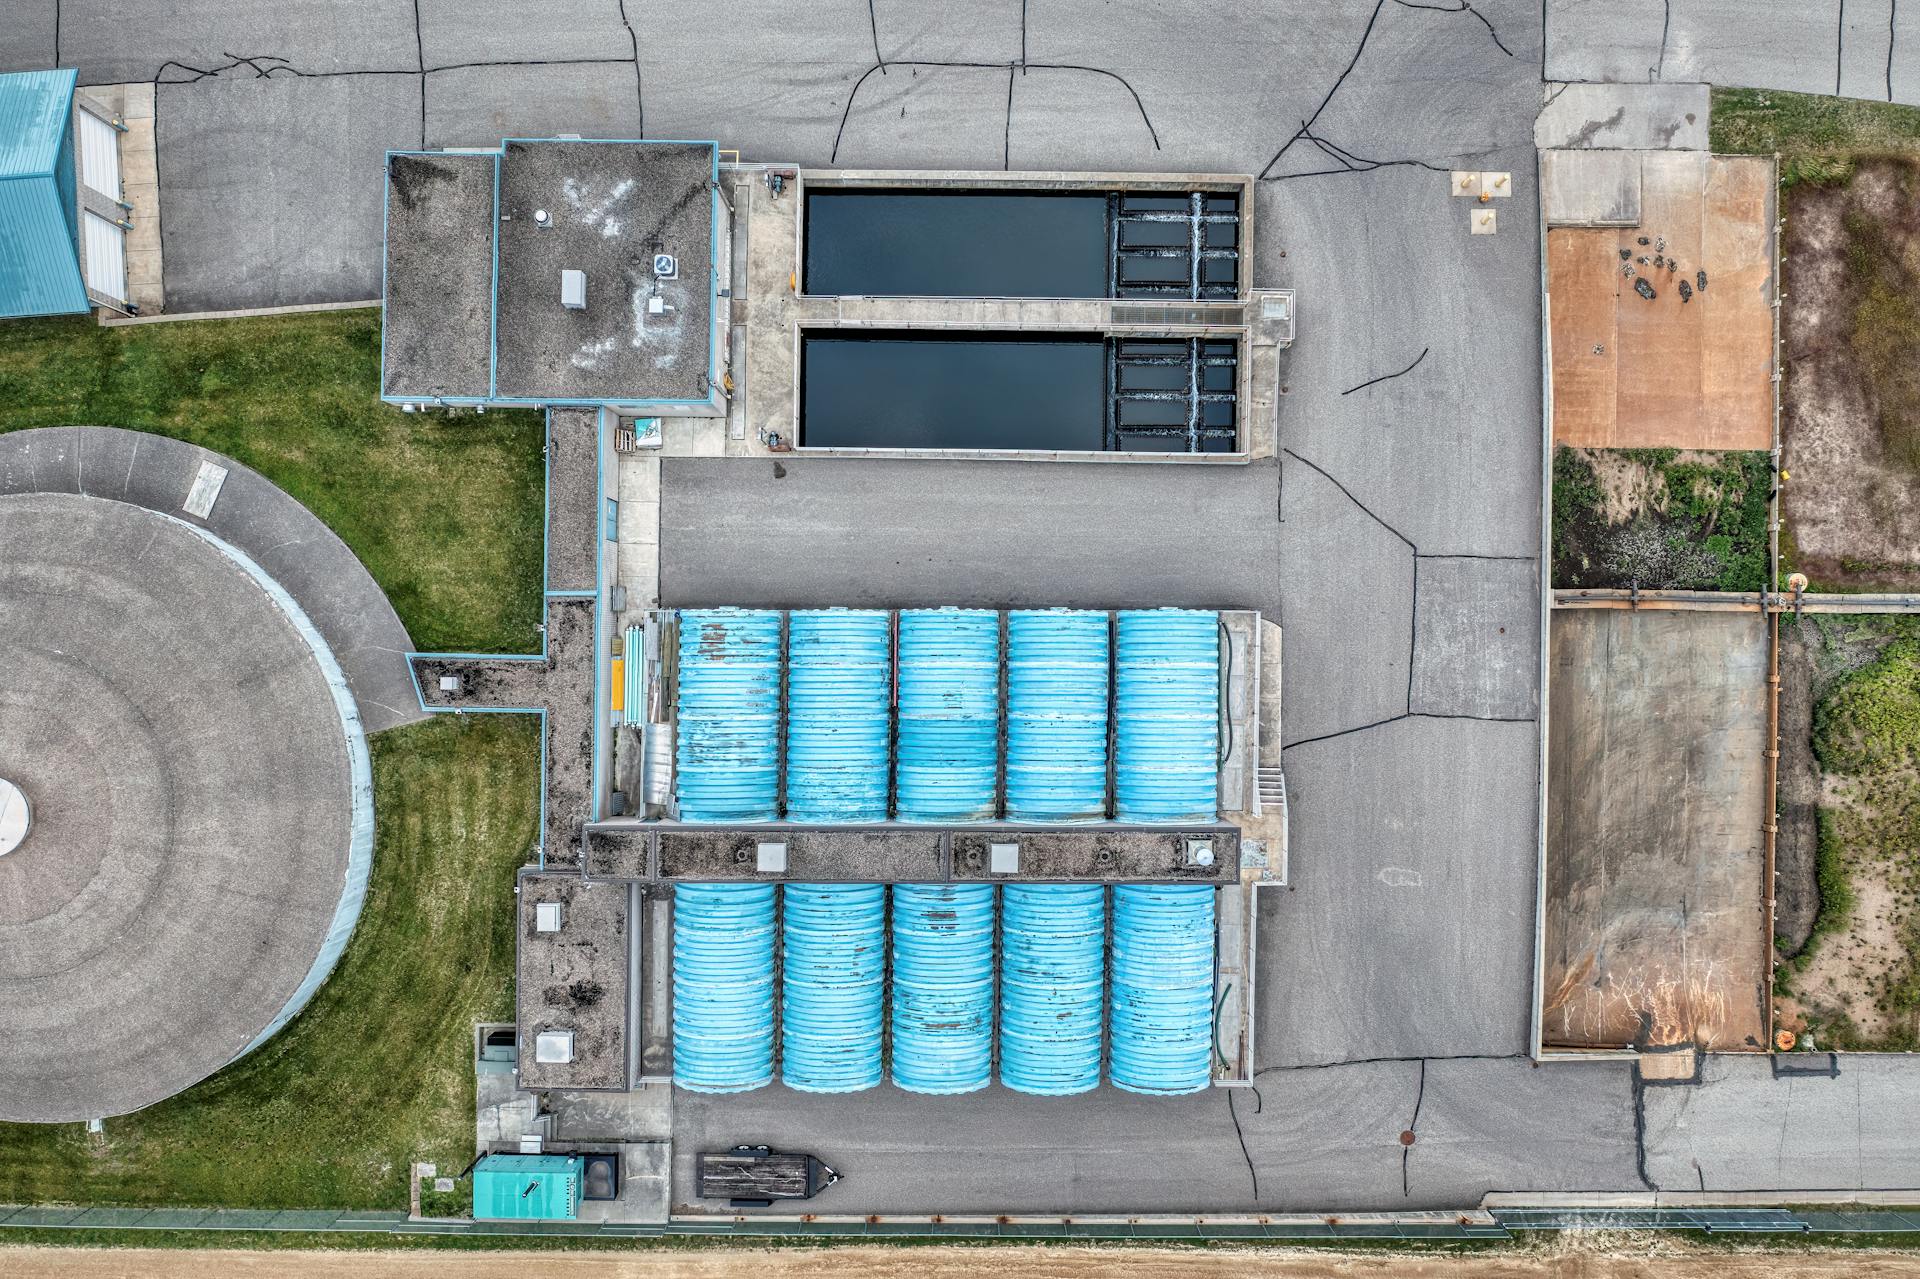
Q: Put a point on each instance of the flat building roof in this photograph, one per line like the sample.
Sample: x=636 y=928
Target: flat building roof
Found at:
x=476 y=247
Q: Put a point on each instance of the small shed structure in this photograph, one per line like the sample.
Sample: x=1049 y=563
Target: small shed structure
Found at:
x=63 y=225
x=527 y=1187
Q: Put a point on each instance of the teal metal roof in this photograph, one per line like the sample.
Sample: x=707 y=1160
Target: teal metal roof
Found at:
x=39 y=244
x=527 y=1187
x=36 y=108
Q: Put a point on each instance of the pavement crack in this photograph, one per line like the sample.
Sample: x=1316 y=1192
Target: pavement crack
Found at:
x=873 y=29
x=639 y=85
x=1388 y=377
x=420 y=57
x=1006 y=137
x=1659 y=70
x=1327 y=737
x=1893 y=16
x=1350 y=162
x=1307 y=125
x=1839 y=46
x=1413 y=1127
x=1323 y=472
x=1245 y=1154
x=1461 y=7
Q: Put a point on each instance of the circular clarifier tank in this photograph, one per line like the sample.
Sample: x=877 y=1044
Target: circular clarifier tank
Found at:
x=187 y=803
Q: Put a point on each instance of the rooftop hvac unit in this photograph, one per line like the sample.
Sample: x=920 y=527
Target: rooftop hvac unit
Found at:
x=553 y=1047
x=547 y=917
x=1003 y=859
x=573 y=290
x=771 y=857
x=450 y=684
x=666 y=266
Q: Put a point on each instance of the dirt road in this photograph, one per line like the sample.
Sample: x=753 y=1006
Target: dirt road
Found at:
x=1627 y=1257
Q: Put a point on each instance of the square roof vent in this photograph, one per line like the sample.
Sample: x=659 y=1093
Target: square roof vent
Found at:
x=547 y=917
x=1003 y=859
x=771 y=857
x=553 y=1047
x=573 y=290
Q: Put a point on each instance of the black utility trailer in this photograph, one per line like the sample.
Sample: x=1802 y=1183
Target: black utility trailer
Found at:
x=755 y=1176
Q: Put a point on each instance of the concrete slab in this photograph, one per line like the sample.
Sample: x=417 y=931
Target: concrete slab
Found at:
x=183 y=39
x=478 y=106
x=1444 y=443
x=1795 y=47
x=943 y=117
x=778 y=92
x=1410 y=898
x=1615 y=40
x=641 y=1114
x=190 y=780
x=1747 y=1128
x=457 y=32
x=1656 y=928
x=1298 y=1141
x=30 y=38
x=1627 y=116
x=1561 y=1128
x=1476 y=644
x=1003 y=535
x=295 y=220
x=1348 y=590
x=1867 y=48
x=1590 y=188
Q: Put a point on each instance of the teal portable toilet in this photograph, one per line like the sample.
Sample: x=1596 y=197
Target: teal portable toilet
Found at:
x=527 y=1187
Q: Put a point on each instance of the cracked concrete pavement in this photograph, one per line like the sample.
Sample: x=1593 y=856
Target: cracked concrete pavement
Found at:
x=1395 y=537
x=1854 y=48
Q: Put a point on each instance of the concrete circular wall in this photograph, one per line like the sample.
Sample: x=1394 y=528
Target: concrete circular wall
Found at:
x=201 y=818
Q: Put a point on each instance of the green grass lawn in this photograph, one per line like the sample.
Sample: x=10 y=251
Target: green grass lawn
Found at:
x=445 y=512
x=376 y=1072
x=1817 y=138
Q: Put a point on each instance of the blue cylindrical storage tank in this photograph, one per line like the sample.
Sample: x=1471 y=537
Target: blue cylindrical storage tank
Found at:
x=839 y=688
x=1053 y=954
x=722 y=986
x=1162 y=1040
x=833 y=978
x=727 y=758
x=1166 y=717
x=1057 y=674
x=948 y=752
x=942 y=987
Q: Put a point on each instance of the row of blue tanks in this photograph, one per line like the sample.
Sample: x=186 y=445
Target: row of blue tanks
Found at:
x=1071 y=993
x=864 y=743
x=936 y=984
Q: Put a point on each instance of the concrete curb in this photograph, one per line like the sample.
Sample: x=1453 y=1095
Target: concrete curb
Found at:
x=288 y=541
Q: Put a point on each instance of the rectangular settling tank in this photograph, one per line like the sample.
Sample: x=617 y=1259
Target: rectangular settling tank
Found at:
x=903 y=390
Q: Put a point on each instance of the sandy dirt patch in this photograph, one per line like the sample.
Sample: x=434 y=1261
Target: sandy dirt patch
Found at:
x=1853 y=508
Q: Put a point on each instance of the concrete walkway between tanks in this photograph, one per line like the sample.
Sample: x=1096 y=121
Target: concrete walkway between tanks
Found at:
x=282 y=536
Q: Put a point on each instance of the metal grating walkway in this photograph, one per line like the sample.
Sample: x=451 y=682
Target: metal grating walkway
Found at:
x=1174 y=245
